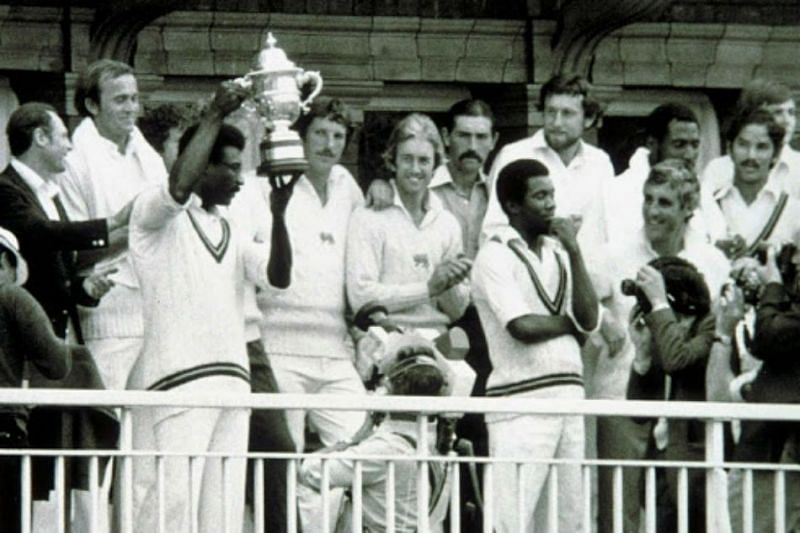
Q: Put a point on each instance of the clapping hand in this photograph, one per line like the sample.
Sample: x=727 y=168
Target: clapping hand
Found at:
x=449 y=273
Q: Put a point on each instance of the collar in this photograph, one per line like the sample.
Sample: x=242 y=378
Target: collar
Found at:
x=772 y=187
x=195 y=204
x=33 y=180
x=442 y=176
x=431 y=203
x=87 y=129
x=651 y=253
x=507 y=233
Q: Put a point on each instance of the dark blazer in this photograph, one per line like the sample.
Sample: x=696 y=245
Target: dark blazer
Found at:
x=684 y=359
x=48 y=246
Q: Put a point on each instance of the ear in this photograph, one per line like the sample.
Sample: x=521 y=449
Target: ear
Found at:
x=92 y=106
x=40 y=136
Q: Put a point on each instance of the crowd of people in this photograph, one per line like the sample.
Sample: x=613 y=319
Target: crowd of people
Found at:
x=151 y=247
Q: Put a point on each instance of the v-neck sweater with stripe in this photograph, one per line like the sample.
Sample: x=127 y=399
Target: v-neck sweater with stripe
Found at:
x=191 y=267
x=509 y=281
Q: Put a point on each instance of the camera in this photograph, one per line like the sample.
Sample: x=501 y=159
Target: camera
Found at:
x=786 y=267
x=631 y=288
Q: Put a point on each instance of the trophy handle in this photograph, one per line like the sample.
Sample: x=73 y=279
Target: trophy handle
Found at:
x=304 y=78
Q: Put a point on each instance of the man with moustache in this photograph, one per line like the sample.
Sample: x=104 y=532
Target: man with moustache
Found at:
x=754 y=208
x=776 y=99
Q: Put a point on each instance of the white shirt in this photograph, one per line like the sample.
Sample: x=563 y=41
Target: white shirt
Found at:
x=578 y=188
x=98 y=182
x=468 y=210
x=719 y=172
x=727 y=214
x=390 y=260
x=308 y=318
x=503 y=289
x=44 y=190
x=191 y=265
x=624 y=197
x=624 y=261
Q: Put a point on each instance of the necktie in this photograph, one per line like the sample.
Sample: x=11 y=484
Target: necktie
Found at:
x=62 y=213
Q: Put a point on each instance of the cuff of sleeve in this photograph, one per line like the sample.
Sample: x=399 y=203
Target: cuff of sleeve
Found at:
x=581 y=329
x=172 y=202
x=411 y=293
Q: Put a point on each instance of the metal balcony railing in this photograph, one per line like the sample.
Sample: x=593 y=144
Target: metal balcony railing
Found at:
x=714 y=464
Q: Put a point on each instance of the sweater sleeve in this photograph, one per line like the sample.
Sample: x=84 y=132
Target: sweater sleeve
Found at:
x=34 y=334
x=674 y=351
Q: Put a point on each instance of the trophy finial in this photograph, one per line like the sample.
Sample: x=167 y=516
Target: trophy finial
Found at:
x=271 y=41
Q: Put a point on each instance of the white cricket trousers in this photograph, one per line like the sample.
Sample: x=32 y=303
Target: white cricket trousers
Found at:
x=539 y=437
x=210 y=492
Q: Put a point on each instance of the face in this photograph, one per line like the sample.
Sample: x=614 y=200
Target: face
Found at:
x=8 y=274
x=470 y=142
x=785 y=114
x=564 y=120
x=753 y=154
x=538 y=206
x=682 y=141
x=56 y=145
x=116 y=112
x=224 y=179
x=170 y=151
x=414 y=164
x=324 y=143
x=663 y=214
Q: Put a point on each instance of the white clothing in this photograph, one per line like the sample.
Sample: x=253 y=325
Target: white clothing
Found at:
x=296 y=374
x=388 y=439
x=719 y=172
x=44 y=190
x=538 y=437
x=468 y=210
x=578 y=188
x=390 y=260
x=191 y=266
x=98 y=182
x=308 y=318
x=624 y=261
x=191 y=432
x=115 y=358
x=727 y=214
x=624 y=197
x=503 y=289
x=249 y=213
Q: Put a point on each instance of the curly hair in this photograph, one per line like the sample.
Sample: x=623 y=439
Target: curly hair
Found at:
x=573 y=85
x=680 y=177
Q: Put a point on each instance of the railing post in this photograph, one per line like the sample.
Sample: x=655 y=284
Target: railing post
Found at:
x=423 y=483
x=126 y=445
x=716 y=488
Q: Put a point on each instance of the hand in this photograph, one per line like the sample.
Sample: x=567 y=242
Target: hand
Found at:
x=565 y=231
x=229 y=97
x=448 y=273
x=613 y=333
x=121 y=218
x=380 y=195
x=730 y=310
x=642 y=340
x=282 y=187
x=732 y=247
x=651 y=282
x=97 y=284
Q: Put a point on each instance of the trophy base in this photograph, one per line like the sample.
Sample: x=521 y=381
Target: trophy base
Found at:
x=282 y=156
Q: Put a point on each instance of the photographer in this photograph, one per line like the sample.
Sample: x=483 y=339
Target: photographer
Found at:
x=776 y=343
x=672 y=329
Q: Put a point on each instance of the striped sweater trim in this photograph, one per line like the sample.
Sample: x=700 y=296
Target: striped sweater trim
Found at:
x=198 y=372
x=541 y=382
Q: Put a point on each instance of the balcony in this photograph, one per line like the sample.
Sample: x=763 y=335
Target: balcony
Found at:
x=714 y=465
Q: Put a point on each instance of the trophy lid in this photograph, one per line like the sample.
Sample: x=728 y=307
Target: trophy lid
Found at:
x=271 y=58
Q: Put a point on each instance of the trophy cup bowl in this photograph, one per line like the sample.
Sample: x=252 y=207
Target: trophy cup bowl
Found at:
x=275 y=86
